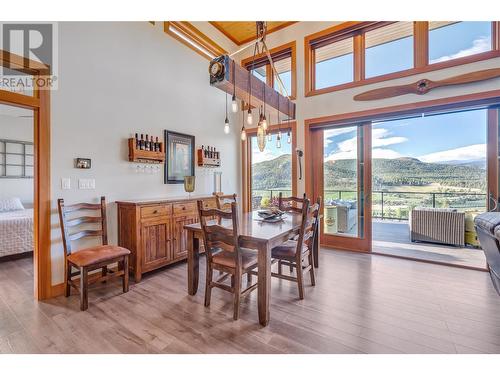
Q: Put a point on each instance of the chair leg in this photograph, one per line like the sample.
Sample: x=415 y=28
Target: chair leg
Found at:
x=311 y=271
x=208 y=286
x=125 y=274
x=84 y=303
x=104 y=272
x=280 y=268
x=300 y=279
x=69 y=269
x=237 y=295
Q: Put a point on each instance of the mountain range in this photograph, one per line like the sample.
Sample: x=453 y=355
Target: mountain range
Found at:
x=341 y=174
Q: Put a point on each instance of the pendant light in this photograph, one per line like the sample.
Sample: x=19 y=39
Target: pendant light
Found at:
x=261 y=133
x=249 y=114
x=234 y=103
x=243 y=131
x=226 y=122
x=264 y=120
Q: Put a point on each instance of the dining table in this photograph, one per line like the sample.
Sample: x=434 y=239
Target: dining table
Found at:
x=254 y=233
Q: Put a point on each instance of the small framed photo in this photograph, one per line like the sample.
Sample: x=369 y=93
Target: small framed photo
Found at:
x=179 y=153
x=83 y=163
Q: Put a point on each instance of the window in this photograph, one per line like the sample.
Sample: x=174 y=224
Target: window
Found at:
x=452 y=40
x=284 y=59
x=352 y=54
x=334 y=63
x=389 y=49
x=189 y=35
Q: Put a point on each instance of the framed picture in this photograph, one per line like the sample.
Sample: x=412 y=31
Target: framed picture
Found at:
x=179 y=157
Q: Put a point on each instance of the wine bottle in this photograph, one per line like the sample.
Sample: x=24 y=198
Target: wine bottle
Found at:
x=137 y=146
x=157 y=145
x=141 y=142
x=148 y=144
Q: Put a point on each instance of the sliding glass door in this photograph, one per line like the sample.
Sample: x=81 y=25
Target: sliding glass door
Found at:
x=342 y=177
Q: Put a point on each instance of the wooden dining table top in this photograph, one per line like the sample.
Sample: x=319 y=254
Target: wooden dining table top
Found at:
x=251 y=226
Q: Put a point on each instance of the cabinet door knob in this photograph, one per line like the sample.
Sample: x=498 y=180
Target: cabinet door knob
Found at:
x=155 y=211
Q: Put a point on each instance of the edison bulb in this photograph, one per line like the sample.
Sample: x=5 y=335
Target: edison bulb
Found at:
x=249 y=117
x=264 y=123
x=226 y=126
x=243 y=134
x=278 y=143
x=234 y=105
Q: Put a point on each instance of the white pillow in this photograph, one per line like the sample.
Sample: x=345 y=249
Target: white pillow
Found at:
x=10 y=204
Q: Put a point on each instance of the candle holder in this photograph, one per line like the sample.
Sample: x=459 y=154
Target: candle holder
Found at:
x=189 y=182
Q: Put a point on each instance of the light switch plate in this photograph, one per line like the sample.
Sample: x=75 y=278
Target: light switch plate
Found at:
x=65 y=183
x=86 y=183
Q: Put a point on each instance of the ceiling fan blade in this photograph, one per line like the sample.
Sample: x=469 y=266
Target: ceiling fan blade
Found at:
x=480 y=75
x=423 y=86
x=387 y=92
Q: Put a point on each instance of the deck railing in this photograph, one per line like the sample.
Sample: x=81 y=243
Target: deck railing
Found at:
x=396 y=205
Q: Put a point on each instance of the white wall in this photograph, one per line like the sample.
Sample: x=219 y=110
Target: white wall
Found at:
x=341 y=101
x=15 y=127
x=118 y=78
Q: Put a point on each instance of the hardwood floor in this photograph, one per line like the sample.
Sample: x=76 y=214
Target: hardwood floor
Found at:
x=361 y=304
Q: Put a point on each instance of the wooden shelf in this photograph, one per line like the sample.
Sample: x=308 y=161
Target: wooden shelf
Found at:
x=207 y=162
x=142 y=156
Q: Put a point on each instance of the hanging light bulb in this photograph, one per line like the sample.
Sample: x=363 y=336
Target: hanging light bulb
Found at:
x=264 y=122
x=234 y=103
x=269 y=137
x=249 y=116
x=288 y=138
x=226 y=121
x=261 y=138
x=243 y=134
x=278 y=140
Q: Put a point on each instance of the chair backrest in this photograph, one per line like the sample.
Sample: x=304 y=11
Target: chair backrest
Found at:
x=291 y=203
x=217 y=237
x=223 y=202
x=67 y=223
x=309 y=225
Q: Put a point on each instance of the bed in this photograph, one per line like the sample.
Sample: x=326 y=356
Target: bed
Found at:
x=16 y=232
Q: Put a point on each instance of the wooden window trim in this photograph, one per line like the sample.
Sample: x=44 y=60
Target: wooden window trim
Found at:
x=196 y=36
x=40 y=104
x=292 y=46
x=421 y=53
x=246 y=149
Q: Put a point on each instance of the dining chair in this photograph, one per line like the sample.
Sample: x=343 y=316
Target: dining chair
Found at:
x=224 y=254
x=291 y=204
x=223 y=202
x=294 y=252
x=91 y=258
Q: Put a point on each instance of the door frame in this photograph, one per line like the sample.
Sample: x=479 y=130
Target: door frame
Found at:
x=487 y=99
x=339 y=241
x=40 y=104
x=246 y=160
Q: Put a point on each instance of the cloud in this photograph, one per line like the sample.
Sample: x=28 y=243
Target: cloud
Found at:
x=479 y=45
x=332 y=133
x=380 y=138
x=472 y=152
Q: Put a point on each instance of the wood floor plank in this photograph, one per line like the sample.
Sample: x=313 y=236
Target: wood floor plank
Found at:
x=361 y=304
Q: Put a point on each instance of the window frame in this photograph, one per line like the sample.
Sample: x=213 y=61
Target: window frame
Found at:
x=292 y=46
x=358 y=29
x=246 y=150
x=195 y=37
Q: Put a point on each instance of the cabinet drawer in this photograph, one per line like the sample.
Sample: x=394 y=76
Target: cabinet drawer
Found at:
x=185 y=208
x=154 y=211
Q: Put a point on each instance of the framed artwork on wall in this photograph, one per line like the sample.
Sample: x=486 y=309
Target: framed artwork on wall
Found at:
x=179 y=157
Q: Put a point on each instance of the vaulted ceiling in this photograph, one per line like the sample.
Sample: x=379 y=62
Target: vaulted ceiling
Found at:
x=241 y=32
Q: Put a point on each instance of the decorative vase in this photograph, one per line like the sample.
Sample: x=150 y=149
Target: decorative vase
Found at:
x=189 y=182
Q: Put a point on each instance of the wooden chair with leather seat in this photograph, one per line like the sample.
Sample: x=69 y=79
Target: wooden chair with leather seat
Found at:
x=225 y=254
x=293 y=253
x=291 y=204
x=92 y=258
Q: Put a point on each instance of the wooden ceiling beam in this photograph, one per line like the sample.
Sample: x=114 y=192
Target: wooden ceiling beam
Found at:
x=221 y=76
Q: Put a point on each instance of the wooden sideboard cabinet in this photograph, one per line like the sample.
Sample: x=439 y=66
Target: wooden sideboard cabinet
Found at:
x=154 y=231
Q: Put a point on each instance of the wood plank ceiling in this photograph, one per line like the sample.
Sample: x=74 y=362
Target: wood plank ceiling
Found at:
x=241 y=32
